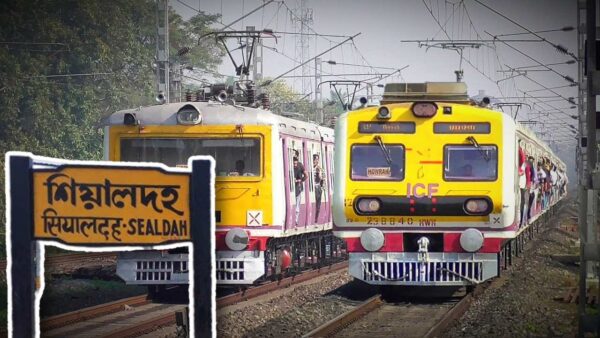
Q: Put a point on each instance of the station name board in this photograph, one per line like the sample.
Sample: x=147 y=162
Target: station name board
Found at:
x=111 y=205
x=461 y=128
x=386 y=127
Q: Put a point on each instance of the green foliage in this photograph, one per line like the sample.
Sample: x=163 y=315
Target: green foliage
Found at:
x=285 y=99
x=111 y=44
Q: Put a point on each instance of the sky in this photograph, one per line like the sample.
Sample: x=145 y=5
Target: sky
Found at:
x=385 y=26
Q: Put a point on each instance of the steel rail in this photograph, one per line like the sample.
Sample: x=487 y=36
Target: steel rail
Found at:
x=338 y=323
x=144 y=327
x=68 y=258
x=283 y=283
x=91 y=312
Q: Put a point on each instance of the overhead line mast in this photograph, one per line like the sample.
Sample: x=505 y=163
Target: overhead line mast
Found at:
x=162 y=51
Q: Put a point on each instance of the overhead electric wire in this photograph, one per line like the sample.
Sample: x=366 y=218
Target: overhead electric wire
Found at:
x=568 y=78
x=463 y=58
x=305 y=62
x=556 y=46
x=298 y=62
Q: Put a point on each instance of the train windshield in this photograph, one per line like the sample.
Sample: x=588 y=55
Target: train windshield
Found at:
x=234 y=157
x=370 y=162
x=470 y=163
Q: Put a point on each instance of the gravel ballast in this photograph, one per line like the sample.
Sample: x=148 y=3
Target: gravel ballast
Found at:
x=523 y=301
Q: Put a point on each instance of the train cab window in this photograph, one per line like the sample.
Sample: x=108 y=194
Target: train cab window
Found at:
x=470 y=163
x=371 y=163
x=233 y=157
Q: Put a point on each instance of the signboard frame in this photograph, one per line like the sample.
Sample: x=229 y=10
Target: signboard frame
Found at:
x=22 y=265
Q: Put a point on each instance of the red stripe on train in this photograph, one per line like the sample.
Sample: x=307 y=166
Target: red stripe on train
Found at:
x=394 y=243
x=254 y=242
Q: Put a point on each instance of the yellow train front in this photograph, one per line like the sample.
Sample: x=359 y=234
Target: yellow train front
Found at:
x=261 y=217
x=427 y=190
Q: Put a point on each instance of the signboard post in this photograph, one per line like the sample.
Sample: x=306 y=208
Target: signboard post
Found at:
x=108 y=204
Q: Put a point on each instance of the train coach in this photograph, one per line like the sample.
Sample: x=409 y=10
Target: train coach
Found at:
x=265 y=216
x=432 y=188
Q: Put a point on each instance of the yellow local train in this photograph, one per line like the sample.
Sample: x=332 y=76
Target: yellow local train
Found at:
x=264 y=213
x=434 y=189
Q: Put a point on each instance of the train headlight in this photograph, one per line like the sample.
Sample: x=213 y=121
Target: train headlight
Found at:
x=129 y=119
x=476 y=206
x=189 y=115
x=384 y=113
x=237 y=239
x=372 y=239
x=368 y=205
x=471 y=240
x=424 y=109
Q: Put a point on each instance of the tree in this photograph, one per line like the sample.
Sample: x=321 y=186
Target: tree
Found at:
x=65 y=65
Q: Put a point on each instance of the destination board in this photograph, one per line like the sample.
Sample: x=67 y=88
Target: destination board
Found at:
x=379 y=172
x=386 y=127
x=461 y=128
x=111 y=205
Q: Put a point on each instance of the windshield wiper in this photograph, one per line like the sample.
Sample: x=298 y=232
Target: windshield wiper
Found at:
x=384 y=149
x=476 y=145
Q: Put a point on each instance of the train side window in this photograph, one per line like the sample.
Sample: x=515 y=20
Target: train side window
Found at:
x=370 y=162
x=470 y=163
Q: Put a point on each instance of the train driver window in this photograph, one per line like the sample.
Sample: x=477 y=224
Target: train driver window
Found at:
x=470 y=163
x=371 y=163
x=234 y=157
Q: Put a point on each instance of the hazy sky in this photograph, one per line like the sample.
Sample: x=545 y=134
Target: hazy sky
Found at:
x=383 y=25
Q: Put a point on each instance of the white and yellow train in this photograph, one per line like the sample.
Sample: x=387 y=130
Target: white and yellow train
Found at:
x=263 y=218
x=429 y=187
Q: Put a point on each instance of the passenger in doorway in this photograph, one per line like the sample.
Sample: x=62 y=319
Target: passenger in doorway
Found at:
x=299 y=177
x=318 y=179
x=532 y=186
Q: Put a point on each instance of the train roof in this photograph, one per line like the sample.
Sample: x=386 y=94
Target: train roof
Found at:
x=215 y=113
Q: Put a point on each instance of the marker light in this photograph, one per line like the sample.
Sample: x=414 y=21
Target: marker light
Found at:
x=372 y=239
x=368 y=205
x=476 y=206
x=189 y=115
x=424 y=109
x=236 y=239
x=384 y=113
x=471 y=240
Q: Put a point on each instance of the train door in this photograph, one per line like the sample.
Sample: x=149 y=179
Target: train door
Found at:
x=319 y=183
x=305 y=202
x=288 y=179
x=330 y=179
x=325 y=185
x=313 y=153
x=295 y=193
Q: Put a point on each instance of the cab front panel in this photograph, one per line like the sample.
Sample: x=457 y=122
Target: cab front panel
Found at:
x=243 y=190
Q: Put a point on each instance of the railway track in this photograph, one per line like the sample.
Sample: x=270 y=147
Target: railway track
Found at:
x=377 y=317
x=135 y=316
x=69 y=258
x=263 y=289
x=129 y=317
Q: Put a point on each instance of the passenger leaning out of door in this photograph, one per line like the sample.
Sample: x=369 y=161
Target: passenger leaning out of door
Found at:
x=299 y=178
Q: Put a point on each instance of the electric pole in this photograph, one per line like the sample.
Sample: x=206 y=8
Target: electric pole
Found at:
x=303 y=17
x=318 y=95
x=162 y=51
